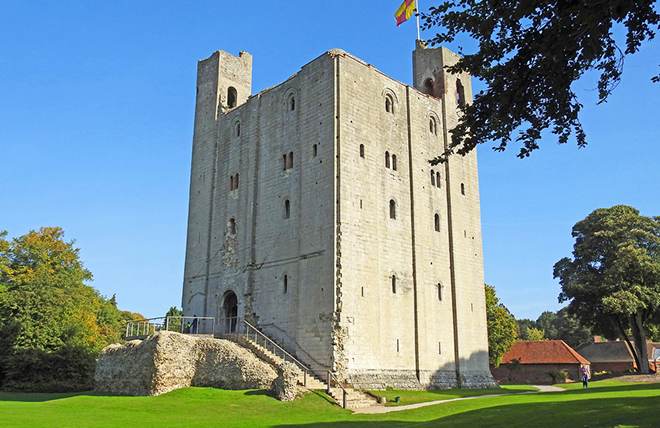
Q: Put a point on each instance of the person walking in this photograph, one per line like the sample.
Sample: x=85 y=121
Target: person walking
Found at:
x=585 y=377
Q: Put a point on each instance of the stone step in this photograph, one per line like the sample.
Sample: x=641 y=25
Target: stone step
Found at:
x=354 y=399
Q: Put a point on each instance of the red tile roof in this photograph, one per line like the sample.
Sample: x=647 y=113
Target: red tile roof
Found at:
x=543 y=352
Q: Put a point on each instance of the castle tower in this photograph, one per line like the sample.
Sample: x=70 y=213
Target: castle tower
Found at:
x=315 y=215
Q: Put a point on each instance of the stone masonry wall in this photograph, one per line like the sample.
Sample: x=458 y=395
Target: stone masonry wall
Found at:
x=167 y=361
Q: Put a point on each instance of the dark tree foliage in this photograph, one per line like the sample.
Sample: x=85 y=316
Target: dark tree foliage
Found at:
x=530 y=53
x=613 y=280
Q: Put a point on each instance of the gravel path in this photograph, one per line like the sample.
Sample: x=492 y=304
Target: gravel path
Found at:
x=383 y=409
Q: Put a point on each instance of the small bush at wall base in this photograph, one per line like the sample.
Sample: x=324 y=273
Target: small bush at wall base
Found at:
x=558 y=375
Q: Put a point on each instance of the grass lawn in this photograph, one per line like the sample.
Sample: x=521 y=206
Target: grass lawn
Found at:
x=412 y=397
x=603 y=404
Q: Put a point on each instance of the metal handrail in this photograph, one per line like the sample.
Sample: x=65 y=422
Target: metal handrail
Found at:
x=267 y=340
x=332 y=376
x=146 y=327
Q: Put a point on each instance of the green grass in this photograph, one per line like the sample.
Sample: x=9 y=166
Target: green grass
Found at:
x=412 y=397
x=606 y=404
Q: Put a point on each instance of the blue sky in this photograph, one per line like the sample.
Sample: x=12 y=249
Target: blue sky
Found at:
x=96 y=115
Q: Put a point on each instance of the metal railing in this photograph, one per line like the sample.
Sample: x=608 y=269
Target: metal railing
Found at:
x=184 y=325
x=331 y=377
x=251 y=331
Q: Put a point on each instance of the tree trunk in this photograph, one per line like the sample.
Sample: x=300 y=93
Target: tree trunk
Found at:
x=639 y=334
x=634 y=353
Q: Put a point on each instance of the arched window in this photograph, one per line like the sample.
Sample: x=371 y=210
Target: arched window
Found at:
x=392 y=209
x=286 y=283
x=232 y=97
x=437 y=178
x=394 y=162
x=389 y=104
x=362 y=150
x=394 y=284
x=292 y=103
x=460 y=93
x=315 y=150
x=231 y=226
x=287 y=209
x=433 y=126
x=432 y=178
x=238 y=129
x=387 y=159
x=436 y=222
x=428 y=86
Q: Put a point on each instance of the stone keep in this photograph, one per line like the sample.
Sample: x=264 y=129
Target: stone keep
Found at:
x=316 y=216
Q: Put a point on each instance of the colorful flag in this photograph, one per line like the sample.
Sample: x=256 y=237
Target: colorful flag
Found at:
x=405 y=11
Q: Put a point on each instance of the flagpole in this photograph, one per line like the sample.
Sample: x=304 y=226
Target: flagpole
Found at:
x=417 y=13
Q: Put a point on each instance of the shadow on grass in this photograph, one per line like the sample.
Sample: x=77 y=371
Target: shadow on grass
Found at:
x=628 y=411
x=38 y=397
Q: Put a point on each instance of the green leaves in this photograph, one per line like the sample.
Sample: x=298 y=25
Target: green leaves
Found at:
x=501 y=327
x=48 y=314
x=613 y=280
x=530 y=54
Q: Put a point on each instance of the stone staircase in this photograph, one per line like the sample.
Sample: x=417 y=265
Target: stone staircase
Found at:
x=355 y=399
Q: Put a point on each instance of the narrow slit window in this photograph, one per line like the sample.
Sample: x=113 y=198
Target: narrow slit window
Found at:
x=238 y=129
x=292 y=103
x=287 y=209
x=394 y=162
x=436 y=222
x=394 y=284
x=389 y=104
x=236 y=181
x=460 y=93
x=432 y=178
x=392 y=209
x=440 y=292
x=463 y=189
x=315 y=150
x=387 y=159
x=284 y=162
x=362 y=151
x=289 y=160
x=437 y=179
x=286 y=283
x=231 y=227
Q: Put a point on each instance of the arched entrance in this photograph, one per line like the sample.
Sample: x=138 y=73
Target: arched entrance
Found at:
x=229 y=313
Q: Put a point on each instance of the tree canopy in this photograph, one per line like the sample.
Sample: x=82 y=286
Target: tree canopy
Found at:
x=501 y=327
x=52 y=325
x=529 y=55
x=613 y=280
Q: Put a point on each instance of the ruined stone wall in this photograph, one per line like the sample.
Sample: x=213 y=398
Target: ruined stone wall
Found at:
x=167 y=361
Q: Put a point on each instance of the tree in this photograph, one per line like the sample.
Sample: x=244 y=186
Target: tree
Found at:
x=613 y=280
x=174 y=323
x=501 y=327
x=535 y=334
x=52 y=325
x=530 y=53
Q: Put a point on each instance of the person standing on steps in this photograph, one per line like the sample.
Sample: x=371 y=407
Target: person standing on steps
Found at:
x=585 y=377
x=193 y=325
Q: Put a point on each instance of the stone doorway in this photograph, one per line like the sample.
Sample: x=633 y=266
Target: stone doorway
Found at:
x=229 y=313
